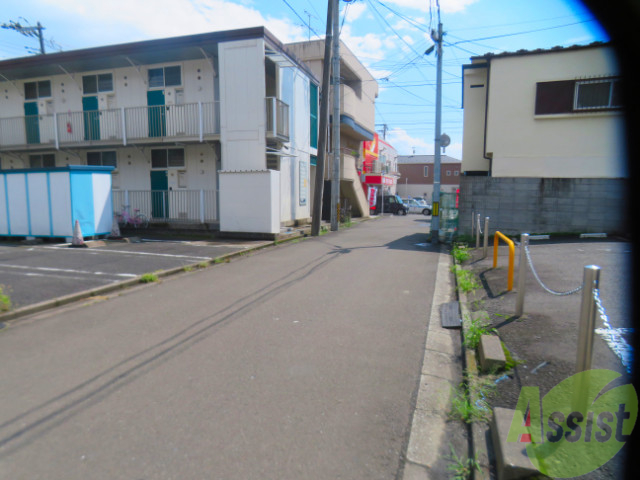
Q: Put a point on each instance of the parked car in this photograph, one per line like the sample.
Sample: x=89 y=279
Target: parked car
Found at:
x=392 y=204
x=417 y=205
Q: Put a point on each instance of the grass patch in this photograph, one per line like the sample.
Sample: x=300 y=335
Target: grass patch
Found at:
x=466 y=279
x=474 y=328
x=149 y=278
x=5 y=300
x=510 y=361
x=469 y=403
x=462 y=468
x=460 y=252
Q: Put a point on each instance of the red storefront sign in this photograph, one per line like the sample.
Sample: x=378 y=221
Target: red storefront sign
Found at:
x=378 y=180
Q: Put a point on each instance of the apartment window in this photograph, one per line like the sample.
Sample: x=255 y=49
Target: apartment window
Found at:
x=456 y=173
x=92 y=84
x=314 y=115
x=426 y=171
x=167 y=158
x=575 y=96
x=46 y=160
x=165 y=77
x=448 y=173
x=35 y=90
x=104 y=159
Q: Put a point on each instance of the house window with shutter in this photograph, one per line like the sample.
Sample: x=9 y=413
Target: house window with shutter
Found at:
x=578 y=96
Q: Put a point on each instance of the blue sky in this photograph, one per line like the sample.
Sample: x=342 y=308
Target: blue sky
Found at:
x=388 y=36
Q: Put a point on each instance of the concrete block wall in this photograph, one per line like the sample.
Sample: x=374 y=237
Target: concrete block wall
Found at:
x=545 y=205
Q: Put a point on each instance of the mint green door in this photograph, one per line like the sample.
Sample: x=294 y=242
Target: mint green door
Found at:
x=31 y=122
x=159 y=193
x=91 y=118
x=157 y=120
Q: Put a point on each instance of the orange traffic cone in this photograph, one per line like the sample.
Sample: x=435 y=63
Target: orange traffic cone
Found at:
x=77 y=240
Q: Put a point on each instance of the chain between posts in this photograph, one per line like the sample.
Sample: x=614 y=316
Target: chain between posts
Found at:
x=547 y=289
x=613 y=336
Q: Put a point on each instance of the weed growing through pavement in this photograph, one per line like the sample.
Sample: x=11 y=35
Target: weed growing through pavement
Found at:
x=5 y=300
x=469 y=403
x=460 y=252
x=462 y=468
x=149 y=278
x=474 y=329
x=466 y=280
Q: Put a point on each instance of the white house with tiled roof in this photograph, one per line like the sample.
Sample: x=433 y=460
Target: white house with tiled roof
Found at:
x=543 y=143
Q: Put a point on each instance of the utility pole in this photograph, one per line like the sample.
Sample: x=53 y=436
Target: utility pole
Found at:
x=335 y=130
x=324 y=122
x=435 y=218
x=27 y=31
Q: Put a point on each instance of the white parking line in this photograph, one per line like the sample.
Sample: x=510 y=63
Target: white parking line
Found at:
x=67 y=270
x=52 y=275
x=126 y=252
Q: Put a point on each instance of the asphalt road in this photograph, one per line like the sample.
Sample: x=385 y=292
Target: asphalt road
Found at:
x=34 y=273
x=296 y=361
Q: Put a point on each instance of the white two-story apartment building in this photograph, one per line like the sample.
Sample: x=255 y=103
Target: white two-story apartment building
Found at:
x=213 y=128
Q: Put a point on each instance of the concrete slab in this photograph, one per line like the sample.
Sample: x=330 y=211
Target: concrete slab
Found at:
x=435 y=394
x=512 y=461
x=490 y=353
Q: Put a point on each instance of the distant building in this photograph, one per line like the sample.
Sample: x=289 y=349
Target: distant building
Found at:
x=416 y=175
x=380 y=166
x=543 y=145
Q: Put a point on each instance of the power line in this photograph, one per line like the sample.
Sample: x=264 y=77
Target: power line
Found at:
x=301 y=19
x=521 y=33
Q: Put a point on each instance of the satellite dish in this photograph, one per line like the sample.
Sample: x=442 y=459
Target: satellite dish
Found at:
x=445 y=140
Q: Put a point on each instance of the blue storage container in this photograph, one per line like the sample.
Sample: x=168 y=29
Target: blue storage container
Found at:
x=46 y=202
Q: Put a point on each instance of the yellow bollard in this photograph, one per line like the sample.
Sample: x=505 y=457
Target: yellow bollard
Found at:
x=512 y=254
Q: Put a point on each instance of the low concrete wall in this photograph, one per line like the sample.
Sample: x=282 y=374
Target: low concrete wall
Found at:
x=545 y=205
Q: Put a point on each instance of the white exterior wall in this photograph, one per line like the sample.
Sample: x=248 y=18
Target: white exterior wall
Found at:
x=252 y=201
x=129 y=89
x=557 y=146
x=295 y=170
x=474 y=100
x=242 y=104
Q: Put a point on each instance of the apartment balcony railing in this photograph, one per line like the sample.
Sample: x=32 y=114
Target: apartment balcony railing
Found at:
x=277 y=119
x=169 y=206
x=193 y=121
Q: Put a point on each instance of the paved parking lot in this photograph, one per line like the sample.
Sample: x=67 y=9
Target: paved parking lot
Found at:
x=35 y=273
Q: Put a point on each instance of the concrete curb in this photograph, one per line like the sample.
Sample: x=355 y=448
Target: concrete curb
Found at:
x=441 y=374
x=480 y=432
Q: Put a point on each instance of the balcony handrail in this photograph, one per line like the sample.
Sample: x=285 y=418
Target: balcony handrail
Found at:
x=277 y=117
x=113 y=124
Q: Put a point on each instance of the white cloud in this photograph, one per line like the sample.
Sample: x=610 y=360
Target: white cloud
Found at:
x=448 y=6
x=355 y=11
x=405 y=144
x=128 y=20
